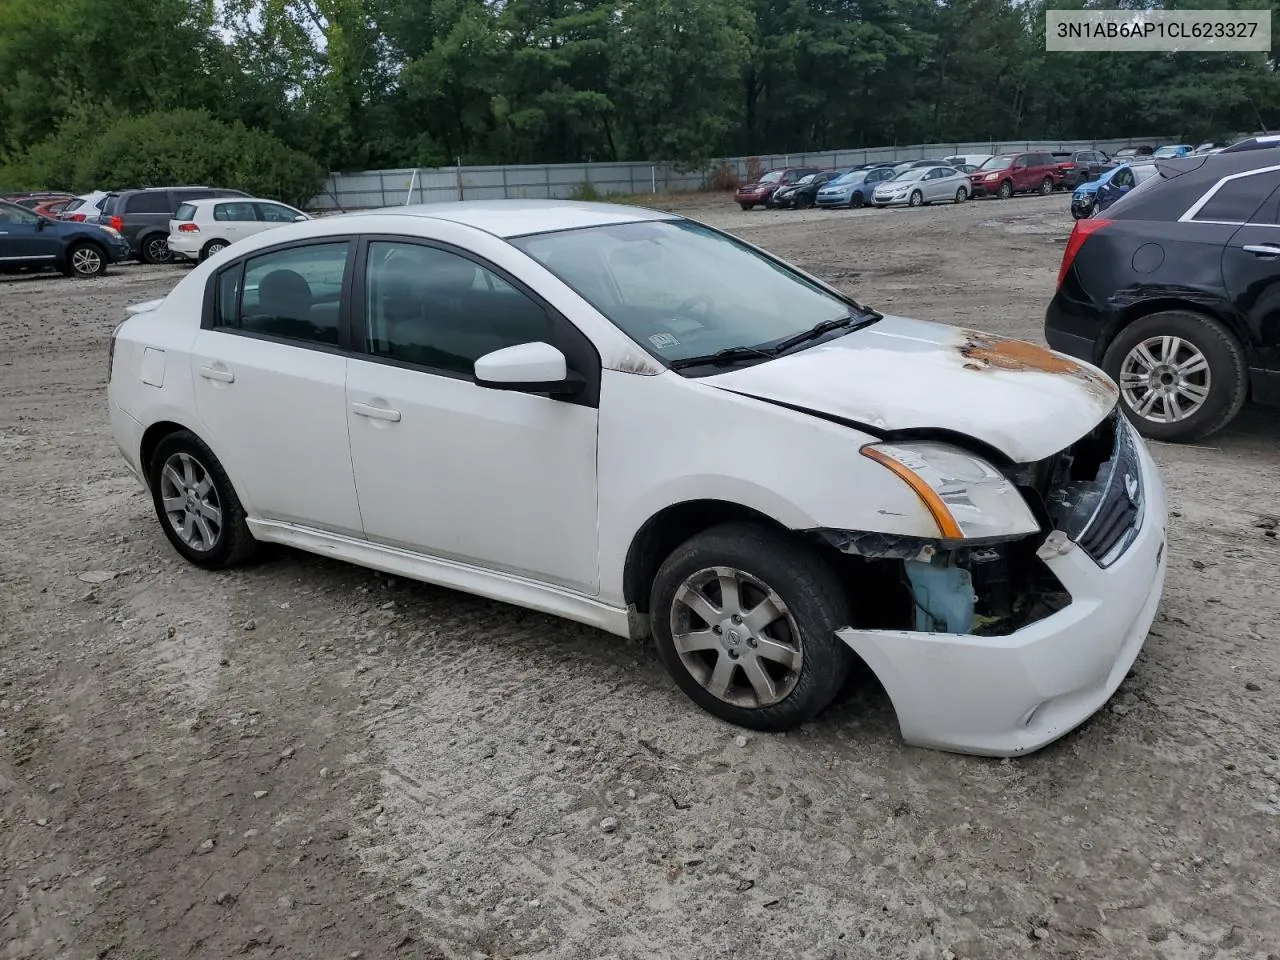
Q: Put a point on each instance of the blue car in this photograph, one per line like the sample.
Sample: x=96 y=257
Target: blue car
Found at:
x=853 y=188
x=1088 y=198
x=1171 y=150
x=29 y=241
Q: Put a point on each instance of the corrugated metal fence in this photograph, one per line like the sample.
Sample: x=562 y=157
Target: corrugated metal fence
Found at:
x=564 y=181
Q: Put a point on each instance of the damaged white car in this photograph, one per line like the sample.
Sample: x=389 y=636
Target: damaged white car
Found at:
x=635 y=421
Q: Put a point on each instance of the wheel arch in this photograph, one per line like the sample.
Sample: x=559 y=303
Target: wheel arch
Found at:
x=1145 y=308
x=162 y=428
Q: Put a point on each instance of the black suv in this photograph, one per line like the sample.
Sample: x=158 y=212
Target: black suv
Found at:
x=1174 y=291
x=1082 y=166
x=143 y=216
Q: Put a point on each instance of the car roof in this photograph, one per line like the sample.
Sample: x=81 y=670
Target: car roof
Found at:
x=515 y=218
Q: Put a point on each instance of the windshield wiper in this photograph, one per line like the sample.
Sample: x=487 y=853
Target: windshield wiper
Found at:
x=723 y=357
x=826 y=326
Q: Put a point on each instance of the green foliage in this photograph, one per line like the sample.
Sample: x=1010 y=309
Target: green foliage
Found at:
x=179 y=146
x=93 y=88
x=586 y=190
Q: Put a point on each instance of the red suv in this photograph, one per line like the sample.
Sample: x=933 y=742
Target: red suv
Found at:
x=751 y=194
x=1012 y=173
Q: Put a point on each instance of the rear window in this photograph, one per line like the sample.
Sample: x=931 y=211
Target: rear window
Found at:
x=152 y=201
x=185 y=212
x=75 y=204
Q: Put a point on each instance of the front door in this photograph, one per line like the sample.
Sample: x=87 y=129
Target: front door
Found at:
x=491 y=478
x=25 y=240
x=270 y=385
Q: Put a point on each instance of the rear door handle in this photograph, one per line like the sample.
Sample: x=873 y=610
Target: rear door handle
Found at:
x=1262 y=249
x=219 y=374
x=375 y=413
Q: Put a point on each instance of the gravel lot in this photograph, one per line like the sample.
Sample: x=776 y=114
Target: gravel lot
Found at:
x=306 y=759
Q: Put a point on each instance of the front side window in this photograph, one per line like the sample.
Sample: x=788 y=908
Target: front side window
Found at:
x=434 y=308
x=293 y=293
x=277 y=213
x=12 y=213
x=683 y=290
x=234 y=211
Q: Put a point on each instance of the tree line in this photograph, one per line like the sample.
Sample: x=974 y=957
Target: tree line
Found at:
x=269 y=94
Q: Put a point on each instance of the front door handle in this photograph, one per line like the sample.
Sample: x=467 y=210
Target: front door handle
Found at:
x=375 y=413
x=1262 y=249
x=217 y=373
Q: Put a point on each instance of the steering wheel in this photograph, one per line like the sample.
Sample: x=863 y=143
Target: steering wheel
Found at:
x=700 y=298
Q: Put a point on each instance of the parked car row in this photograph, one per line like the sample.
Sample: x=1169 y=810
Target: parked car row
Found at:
x=82 y=236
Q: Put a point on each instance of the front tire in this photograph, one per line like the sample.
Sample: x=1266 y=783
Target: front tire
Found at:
x=916 y=199
x=744 y=619
x=196 y=504
x=746 y=206
x=1046 y=186
x=1182 y=375
x=85 y=260
x=857 y=200
x=1006 y=190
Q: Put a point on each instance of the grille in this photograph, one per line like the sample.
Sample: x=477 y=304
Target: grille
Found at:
x=1092 y=490
x=1119 y=514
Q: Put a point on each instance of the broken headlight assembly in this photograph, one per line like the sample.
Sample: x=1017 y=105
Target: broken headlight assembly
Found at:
x=967 y=497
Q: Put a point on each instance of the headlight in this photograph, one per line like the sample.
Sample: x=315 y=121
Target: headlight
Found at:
x=991 y=176
x=967 y=497
x=112 y=230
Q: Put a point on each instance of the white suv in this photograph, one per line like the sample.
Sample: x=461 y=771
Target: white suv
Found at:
x=636 y=421
x=200 y=228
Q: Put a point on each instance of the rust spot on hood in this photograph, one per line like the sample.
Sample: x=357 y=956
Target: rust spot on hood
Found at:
x=984 y=351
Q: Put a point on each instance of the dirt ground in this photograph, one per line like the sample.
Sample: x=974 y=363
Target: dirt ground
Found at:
x=306 y=759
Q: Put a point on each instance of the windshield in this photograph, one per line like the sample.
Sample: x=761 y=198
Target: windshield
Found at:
x=853 y=176
x=914 y=173
x=1165 y=152
x=680 y=289
x=997 y=163
x=808 y=178
x=771 y=176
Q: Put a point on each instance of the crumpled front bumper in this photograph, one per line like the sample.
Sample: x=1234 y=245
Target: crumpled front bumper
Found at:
x=1010 y=695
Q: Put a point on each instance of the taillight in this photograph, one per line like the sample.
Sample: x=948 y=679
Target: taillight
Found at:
x=188 y=228
x=76 y=217
x=1079 y=234
x=1067 y=166
x=117 y=224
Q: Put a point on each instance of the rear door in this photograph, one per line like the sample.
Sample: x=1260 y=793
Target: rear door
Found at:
x=235 y=219
x=269 y=373
x=1251 y=260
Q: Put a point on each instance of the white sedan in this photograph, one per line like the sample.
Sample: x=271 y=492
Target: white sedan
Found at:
x=638 y=422
x=920 y=185
x=200 y=228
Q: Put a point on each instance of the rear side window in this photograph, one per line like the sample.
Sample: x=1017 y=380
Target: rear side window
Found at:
x=1236 y=201
x=185 y=212
x=234 y=211
x=152 y=201
x=293 y=294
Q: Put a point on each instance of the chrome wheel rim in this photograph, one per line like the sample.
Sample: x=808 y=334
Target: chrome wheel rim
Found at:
x=960 y=195
x=1165 y=379
x=215 y=247
x=1046 y=186
x=1006 y=190
x=158 y=250
x=736 y=637
x=190 y=502
x=86 y=260
x=916 y=200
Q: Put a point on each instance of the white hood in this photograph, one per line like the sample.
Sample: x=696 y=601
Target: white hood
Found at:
x=899 y=374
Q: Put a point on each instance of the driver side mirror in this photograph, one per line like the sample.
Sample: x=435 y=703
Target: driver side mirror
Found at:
x=300 y=218
x=528 y=368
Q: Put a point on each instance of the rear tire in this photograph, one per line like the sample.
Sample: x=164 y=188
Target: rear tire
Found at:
x=1187 y=355
x=210 y=248
x=155 y=249
x=787 y=649
x=961 y=195
x=187 y=480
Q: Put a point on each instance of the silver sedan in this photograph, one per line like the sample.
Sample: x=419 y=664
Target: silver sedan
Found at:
x=923 y=185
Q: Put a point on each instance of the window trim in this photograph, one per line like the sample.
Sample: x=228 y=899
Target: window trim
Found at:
x=211 y=311
x=565 y=329
x=1190 y=214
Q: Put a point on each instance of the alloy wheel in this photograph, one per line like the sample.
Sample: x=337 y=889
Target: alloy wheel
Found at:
x=1165 y=379
x=86 y=261
x=736 y=637
x=190 y=501
x=158 y=250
